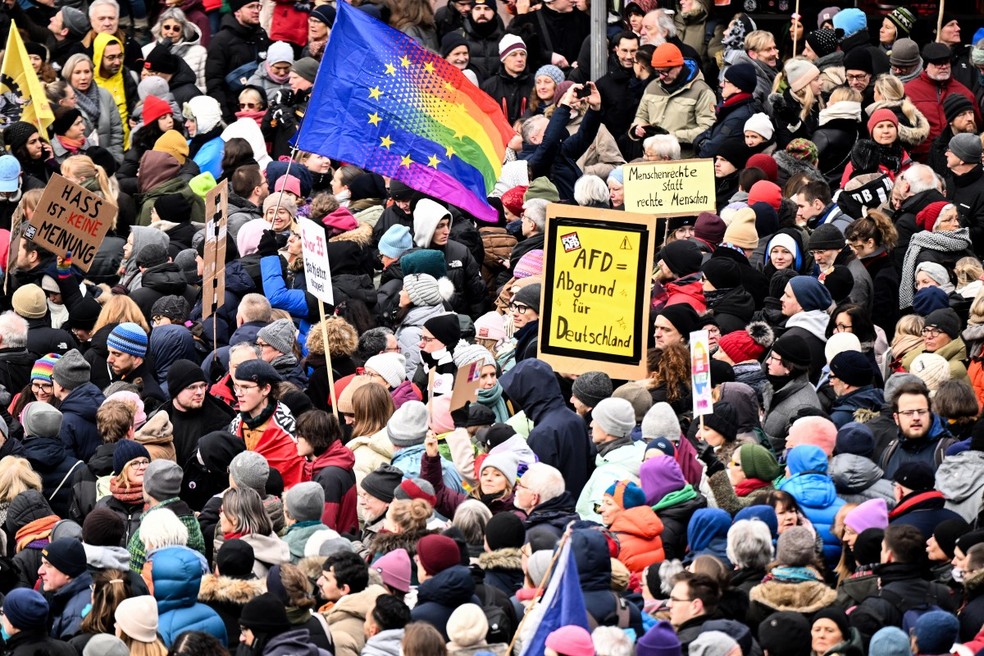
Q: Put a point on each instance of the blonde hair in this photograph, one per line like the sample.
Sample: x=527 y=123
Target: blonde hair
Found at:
x=17 y=476
x=844 y=93
x=976 y=317
x=758 y=40
x=410 y=515
x=120 y=309
x=83 y=168
x=968 y=269
x=910 y=324
x=807 y=99
x=889 y=87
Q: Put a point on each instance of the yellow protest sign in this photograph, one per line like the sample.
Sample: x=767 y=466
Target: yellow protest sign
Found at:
x=594 y=310
x=677 y=188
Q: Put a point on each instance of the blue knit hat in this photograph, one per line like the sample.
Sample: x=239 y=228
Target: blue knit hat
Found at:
x=626 y=494
x=125 y=451
x=396 y=241
x=550 y=71
x=936 y=631
x=851 y=21
x=810 y=293
x=25 y=609
x=128 y=338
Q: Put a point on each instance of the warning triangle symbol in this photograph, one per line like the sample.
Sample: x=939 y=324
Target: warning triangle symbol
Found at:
x=626 y=245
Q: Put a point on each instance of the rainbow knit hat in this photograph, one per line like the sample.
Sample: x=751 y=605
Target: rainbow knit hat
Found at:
x=43 y=367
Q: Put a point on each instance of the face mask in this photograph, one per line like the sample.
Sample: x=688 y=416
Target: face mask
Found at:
x=956 y=573
x=3 y=632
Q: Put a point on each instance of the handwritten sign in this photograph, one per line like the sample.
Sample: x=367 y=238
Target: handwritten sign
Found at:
x=677 y=188
x=466 y=381
x=72 y=219
x=317 y=270
x=700 y=373
x=216 y=233
x=595 y=302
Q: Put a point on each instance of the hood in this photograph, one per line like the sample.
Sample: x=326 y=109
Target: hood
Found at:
x=961 y=476
x=225 y=589
x=384 y=643
x=845 y=109
x=594 y=562
x=106 y=557
x=452 y=587
x=98 y=46
x=806 y=458
x=706 y=526
x=517 y=447
x=165 y=279
x=852 y=473
x=533 y=385
x=426 y=215
x=744 y=401
x=238 y=281
x=813 y=321
x=25 y=508
x=177 y=575
x=508 y=558
x=660 y=476
x=640 y=521
x=268 y=549
x=866 y=397
x=248 y=129
x=157 y=431
x=296 y=643
x=337 y=455
x=83 y=401
x=157 y=168
x=44 y=453
x=378 y=442
x=811 y=490
x=691 y=287
x=144 y=236
x=169 y=344
x=217 y=449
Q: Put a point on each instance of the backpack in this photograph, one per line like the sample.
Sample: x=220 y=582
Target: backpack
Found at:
x=623 y=616
x=500 y=628
x=911 y=611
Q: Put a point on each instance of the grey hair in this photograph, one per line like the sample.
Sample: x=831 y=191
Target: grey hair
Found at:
x=72 y=62
x=543 y=480
x=13 y=330
x=163 y=529
x=664 y=20
x=531 y=126
x=96 y=3
x=590 y=190
x=663 y=146
x=535 y=210
x=243 y=506
x=749 y=544
x=373 y=341
x=255 y=307
x=470 y=518
x=920 y=178
x=174 y=13
x=611 y=641
x=245 y=346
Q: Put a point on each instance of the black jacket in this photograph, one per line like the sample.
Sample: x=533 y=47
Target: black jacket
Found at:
x=620 y=92
x=834 y=140
x=160 y=281
x=729 y=126
x=733 y=310
x=510 y=93
x=42 y=338
x=182 y=85
x=967 y=193
x=483 y=45
x=753 y=280
x=900 y=581
x=557 y=32
x=675 y=520
x=234 y=45
x=905 y=220
x=33 y=643
x=189 y=427
x=557 y=154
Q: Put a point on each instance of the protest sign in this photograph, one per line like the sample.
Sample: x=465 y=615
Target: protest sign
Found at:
x=594 y=309
x=700 y=373
x=70 y=219
x=466 y=382
x=317 y=270
x=216 y=231
x=676 y=188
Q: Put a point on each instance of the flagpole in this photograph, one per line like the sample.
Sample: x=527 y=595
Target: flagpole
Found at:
x=539 y=590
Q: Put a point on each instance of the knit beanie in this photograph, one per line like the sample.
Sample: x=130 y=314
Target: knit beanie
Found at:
x=796 y=547
x=65 y=118
x=880 y=115
x=154 y=108
x=162 y=480
x=810 y=293
x=683 y=317
x=712 y=643
x=437 y=553
x=741 y=232
x=422 y=289
x=853 y=368
x=870 y=514
x=128 y=337
x=742 y=76
x=529 y=296
x=759 y=123
x=721 y=272
x=571 y=641
x=43 y=367
x=280 y=335
x=724 y=420
x=102 y=527
x=305 y=501
x=822 y=41
x=415 y=488
x=530 y=264
x=235 y=559
x=660 y=640
x=936 y=632
x=932 y=368
x=551 y=71
x=710 y=228
x=666 y=55
x=512 y=200
x=67 y=556
x=395 y=569
x=183 y=374
x=967 y=147
x=800 y=73
x=29 y=301
x=890 y=641
x=41 y=420
x=265 y=614
x=855 y=438
x=381 y=482
x=285 y=201
x=424 y=260
x=510 y=43
x=814 y=430
x=803 y=150
x=948 y=532
x=137 y=618
x=125 y=451
x=467 y=626
x=446 y=328
x=626 y=494
x=946 y=320
x=926 y=217
x=767 y=192
x=851 y=21
x=793 y=349
x=734 y=151
x=250 y=470
x=614 y=416
x=637 y=395
x=507 y=531
x=592 y=387
x=542 y=188
x=391 y=366
x=758 y=462
x=905 y=53
x=172 y=143
x=903 y=19
x=395 y=241
x=206 y=111
x=779 y=631
x=748 y=344
x=858 y=59
x=954 y=105
x=467 y=354
x=26 y=609
x=505 y=462
x=408 y=425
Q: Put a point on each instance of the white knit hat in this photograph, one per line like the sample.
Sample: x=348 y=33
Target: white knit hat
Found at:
x=800 y=73
x=933 y=369
x=840 y=342
x=279 y=52
x=391 y=366
x=467 y=626
x=508 y=43
x=137 y=617
x=760 y=123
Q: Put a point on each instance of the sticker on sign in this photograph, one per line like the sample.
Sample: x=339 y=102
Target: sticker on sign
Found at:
x=317 y=270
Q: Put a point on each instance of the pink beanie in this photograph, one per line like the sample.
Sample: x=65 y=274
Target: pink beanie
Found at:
x=870 y=514
x=134 y=400
x=817 y=431
x=440 y=415
x=571 y=641
x=531 y=264
x=394 y=568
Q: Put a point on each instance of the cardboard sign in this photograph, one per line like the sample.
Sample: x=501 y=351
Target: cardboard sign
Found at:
x=683 y=187
x=594 y=310
x=216 y=233
x=466 y=382
x=71 y=219
x=700 y=373
x=317 y=270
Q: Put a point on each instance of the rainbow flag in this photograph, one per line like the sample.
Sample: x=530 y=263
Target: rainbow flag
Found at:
x=383 y=102
x=22 y=97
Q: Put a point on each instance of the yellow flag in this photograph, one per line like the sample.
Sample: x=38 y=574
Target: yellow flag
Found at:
x=22 y=97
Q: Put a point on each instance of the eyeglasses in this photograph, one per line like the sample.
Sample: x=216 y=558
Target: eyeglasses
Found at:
x=246 y=105
x=43 y=387
x=427 y=340
x=774 y=357
x=262 y=344
x=675 y=600
x=921 y=412
x=858 y=77
x=844 y=326
x=519 y=308
x=931 y=331
x=395 y=349
x=664 y=72
x=139 y=462
x=242 y=389
x=170 y=28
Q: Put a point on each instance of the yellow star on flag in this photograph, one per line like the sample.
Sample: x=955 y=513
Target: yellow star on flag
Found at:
x=390 y=69
x=433 y=161
x=405 y=61
x=374 y=118
x=375 y=93
x=429 y=67
x=406 y=161
x=448 y=86
x=385 y=142
x=449 y=153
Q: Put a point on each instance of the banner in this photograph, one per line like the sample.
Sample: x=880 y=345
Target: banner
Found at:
x=317 y=270
x=683 y=187
x=70 y=219
x=216 y=232
x=700 y=373
x=562 y=604
x=22 y=97
x=594 y=310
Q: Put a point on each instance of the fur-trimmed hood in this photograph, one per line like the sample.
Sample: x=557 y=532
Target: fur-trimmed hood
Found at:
x=225 y=589
x=386 y=542
x=802 y=597
x=501 y=559
x=360 y=235
x=918 y=129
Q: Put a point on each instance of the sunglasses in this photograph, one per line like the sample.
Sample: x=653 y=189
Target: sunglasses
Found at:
x=246 y=105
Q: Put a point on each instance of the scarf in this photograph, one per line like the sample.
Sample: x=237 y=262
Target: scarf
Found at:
x=844 y=109
x=749 y=485
x=793 y=574
x=39 y=529
x=686 y=493
x=71 y=145
x=279 y=79
x=234 y=535
x=252 y=423
x=255 y=115
x=731 y=101
x=130 y=496
x=201 y=139
x=890 y=156
x=492 y=399
x=946 y=242
x=88 y=103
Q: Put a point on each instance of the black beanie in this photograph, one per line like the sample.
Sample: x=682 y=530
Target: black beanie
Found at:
x=505 y=531
x=17 y=133
x=103 y=528
x=235 y=559
x=682 y=257
x=182 y=374
x=722 y=272
x=174 y=208
x=446 y=328
x=265 y=614
x=794 y=349
x=382 y=482
x=64 y=119
x=683 y=317
x=723 y=420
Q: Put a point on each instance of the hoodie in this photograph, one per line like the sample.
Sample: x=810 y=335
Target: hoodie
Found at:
x=707 y=534
x=115 y=85
x=961 y=480
x=815 y=493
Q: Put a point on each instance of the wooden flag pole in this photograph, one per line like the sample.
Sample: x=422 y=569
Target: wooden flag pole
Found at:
x=539 y=590
x=331 y=374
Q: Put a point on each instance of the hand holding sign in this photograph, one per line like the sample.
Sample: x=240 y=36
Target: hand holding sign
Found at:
x=70 y=219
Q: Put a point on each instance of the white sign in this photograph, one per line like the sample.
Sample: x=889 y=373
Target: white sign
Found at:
x=700 y=373
x=317 y=271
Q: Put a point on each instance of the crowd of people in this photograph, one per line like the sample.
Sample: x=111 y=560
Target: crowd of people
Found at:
x=270 y=476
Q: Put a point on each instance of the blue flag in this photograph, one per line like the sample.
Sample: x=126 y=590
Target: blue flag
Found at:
x=562 y=603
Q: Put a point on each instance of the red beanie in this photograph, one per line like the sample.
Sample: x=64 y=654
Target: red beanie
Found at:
x=926 y=218
x=766 y=164
x=765 y=192
x=882 y=115
x=512 y=200
x=739 y=346
x=437 y=553
x=153 y=109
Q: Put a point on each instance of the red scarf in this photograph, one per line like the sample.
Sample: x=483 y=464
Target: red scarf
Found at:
x=131 y=496
x=71 y=145
x=731 y=101
x=915 y=499
x=255 y=115
x=235 y=535
x=749 y=485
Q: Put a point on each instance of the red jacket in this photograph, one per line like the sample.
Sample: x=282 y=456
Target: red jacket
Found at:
x=334 y=470
x=289 y=24
x=274 y=440
x=928 y=96
x=638 y=530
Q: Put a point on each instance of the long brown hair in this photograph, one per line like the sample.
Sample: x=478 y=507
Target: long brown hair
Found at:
x=110 y=587
x=669 y=367
x=372 y=407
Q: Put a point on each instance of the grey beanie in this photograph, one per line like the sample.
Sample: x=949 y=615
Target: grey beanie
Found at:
x=897 y=380
x=592 y=387
x=408 y=425
x=538 y=564
x=103 y=644
x=712 y=643
x=966 y=146
x=796 y=547
x=305 y=501
x=661 y=421
x=614 y=416
x=529 y=296
x=250 y=469
x=76 y=21
x=41 y=420
x=280 y=334
x=162 y=479
x=71 y=371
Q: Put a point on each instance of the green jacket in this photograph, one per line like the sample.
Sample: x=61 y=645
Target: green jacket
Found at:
x=173 y=186
x=136 y=547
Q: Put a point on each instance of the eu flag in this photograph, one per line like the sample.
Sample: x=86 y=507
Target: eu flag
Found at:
x=384 y=103
x=562 y=603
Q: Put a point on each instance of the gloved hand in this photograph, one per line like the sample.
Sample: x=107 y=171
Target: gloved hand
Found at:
x=268 y=243
x=64 y=266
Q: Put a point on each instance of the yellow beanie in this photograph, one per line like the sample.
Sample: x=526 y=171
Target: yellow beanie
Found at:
x=172 y=143
x=741 y=231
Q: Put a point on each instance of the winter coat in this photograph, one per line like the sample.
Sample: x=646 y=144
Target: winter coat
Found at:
x=620 y=92
x=815 y=494
x=913 y=126
x=160 y=281
x=67 y=604
x=924 y=510
x=965 y=191
x=551 y=517
x=503 y=569
x=268 y=550
x=510 y=93
x=835 y=138
x=293 y=643
x=559 y=437
x=189 y=427
x=347 y=616
x=130 y=515
x=928 y=96
x=334 y=471
x=233 y=46
x=866 y=398
x=50 y=459
x=409 y=331
x=730 y=125
x=449 y=498
x=440 y=595
x=108 y=126
x=782 y=405
x=686 y=112
x=192 y=51
x=858 y=479
x=384 y=643
x=638 y=531
x=620 y=463
x=177 y=575
x=929 y=449
x=409 y=461
x=78 y=429
x=764 y=77
x=274 y=440
x=733 y=309
x=675 y=520
x=227 y=596
x=594 y=570
x=556 y=156
x=34 y=643
x=897 y=581
x=775 y=595
x=483 y=45
x=961 y=480
x=972 y=614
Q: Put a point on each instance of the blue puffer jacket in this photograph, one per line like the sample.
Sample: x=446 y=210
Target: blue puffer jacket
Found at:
x=67 y=605
x=294 y=301
x=78 y=429
x=177 y=574
x=209 y=157
x=815 y=493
